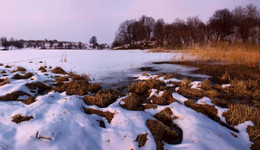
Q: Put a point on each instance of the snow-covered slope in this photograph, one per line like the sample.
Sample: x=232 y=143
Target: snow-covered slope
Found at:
x=60 y=118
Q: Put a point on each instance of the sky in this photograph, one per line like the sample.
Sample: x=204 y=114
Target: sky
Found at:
x=79 y=20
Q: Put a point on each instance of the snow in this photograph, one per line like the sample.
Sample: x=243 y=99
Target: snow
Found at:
x=61 y=117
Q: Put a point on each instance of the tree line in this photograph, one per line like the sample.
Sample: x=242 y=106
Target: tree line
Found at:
x=51 y=44
x=242 y=24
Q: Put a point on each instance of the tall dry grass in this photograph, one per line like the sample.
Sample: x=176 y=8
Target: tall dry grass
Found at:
x=235 y=53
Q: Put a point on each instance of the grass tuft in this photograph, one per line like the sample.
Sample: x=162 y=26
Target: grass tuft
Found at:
x=102 y=99
x=108 y=115
x=19 y=118
x=58 y=70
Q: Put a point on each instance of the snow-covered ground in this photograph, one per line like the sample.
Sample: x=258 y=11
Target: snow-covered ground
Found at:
x=102 y=65
x=60 y=117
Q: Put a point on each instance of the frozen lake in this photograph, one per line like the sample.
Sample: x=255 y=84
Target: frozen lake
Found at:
x=105 y=66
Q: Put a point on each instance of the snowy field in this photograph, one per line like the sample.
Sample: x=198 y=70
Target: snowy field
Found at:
x=61 y=120
x=106 y=66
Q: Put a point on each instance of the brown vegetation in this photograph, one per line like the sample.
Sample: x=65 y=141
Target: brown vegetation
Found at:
x=141 y=139
x=149 y=106
x=58 y=70
x=102 y=99
x=165 y=116
x=191 y=93
x=22 y=69
x=39 y=86
x=25 y=76
x=132 y=102
x=19 y=118
x=29 y=100
x=4 y=81
x=42 y=69
x=165 y=99
x=161 y=133
x=108 y=115
x=13 y=96
x=239 y=113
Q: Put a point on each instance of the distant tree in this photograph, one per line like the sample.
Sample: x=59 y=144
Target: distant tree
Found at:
x=93 y=41
x=60 y=45
x=159 y=31
x=221 y=24
x=196 y=30
x=4 y=42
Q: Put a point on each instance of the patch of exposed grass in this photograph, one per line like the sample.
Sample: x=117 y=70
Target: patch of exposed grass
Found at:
x=102 y=99
x=239 y=113
x=149 y=106
x=7 y=66
x=209 y=111
x=212 y=93
x=39 y=86
x=4 y=81
x=76 y=77
x=191 y=93
x=19 y=118
x=108 y=115
x=29 y=100
x=132 y=102
x=161 y=133
x=153 y=83
x=165 y=116
x=22 y=69
x=3 y=71
x=165 y=99
x=94 y=87
x=58 y=70
x=42 y=69
x=247 y=90
x=25 y=76
x=221 y=103
x=61 y=79
x=1 y=64
x=141 y=139
x=168 y=76
x=138 y=88
x=13 y=96
x=206 y=85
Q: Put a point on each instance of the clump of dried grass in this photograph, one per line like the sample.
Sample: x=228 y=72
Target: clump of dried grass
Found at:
x=138 y=88
x=42 y=69
x=239 y=113
x=19 y=118
x=141 y=139
x=108 y=115
x=4 y=81
x=39 y=86
x=25 y=76
x=165 y=116
x=206 y=85
x=29 y=100
x=102 y=99
x=58 y=70
x=22 y=69
x=165 y=99
x=161 y=133
x=132 y=102
x=13 y=96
